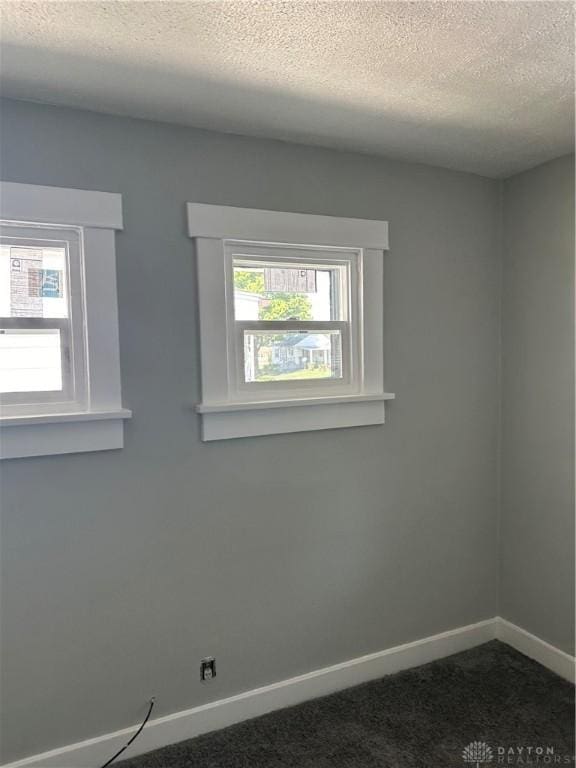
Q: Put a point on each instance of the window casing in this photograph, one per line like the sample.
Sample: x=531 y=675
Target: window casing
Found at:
x=297 y=343
x=59 y=351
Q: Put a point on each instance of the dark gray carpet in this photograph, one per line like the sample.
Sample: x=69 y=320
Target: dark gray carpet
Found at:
x=420 y=718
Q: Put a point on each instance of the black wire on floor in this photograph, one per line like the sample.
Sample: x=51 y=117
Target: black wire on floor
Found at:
x=138 y=732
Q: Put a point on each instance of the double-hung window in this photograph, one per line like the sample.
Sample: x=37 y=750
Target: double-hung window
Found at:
x=42 y=349
x=59 y=356
x=293 y=323
x=291 y=309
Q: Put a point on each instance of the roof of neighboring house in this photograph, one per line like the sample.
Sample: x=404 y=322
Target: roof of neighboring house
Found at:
x=314 y=341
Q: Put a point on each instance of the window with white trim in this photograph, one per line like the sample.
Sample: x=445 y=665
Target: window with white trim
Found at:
x=59 y=357
x=291 y=309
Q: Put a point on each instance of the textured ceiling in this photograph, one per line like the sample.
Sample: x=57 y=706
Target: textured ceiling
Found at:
x=479 y=86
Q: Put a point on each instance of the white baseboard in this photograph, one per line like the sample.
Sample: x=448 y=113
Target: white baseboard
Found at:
x=218 y=714
x=539 y=650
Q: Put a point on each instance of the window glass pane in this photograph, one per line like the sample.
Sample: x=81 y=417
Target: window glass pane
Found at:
x=282 y=291
x=292 y=355
x=33 y=281
x=30 y=361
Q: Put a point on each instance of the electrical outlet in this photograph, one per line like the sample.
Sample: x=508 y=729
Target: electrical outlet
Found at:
x=207 y=669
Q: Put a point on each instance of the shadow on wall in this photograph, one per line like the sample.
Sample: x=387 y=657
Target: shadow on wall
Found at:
x=278 y=113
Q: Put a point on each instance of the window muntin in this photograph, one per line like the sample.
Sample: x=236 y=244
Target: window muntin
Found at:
x=293 y=320
x=42 y=348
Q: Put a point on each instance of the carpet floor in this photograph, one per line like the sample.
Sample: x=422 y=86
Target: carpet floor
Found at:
x=420 y=718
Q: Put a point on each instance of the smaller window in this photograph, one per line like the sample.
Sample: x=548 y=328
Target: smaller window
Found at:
x=42 y=350
x=291 y=321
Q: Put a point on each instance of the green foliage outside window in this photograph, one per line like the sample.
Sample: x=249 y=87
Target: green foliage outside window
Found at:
x=276 y=306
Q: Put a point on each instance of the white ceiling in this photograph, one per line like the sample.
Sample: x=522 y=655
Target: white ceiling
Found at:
x=479 y=86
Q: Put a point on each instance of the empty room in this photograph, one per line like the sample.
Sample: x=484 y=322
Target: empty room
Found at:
x=287 y=384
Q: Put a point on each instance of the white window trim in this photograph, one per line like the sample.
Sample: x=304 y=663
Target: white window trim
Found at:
x=223 y=415
x=99 y=425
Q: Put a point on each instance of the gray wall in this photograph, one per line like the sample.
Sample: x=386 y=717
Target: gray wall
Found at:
x=279 y=554
x=537 y=526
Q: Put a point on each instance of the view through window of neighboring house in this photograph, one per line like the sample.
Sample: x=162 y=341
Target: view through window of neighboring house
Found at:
x=35 y=322
x=292 y=355
x=282 y=308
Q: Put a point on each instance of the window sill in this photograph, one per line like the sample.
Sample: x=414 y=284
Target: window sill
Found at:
x=58 y=433
x=226 y=420
x=255 y=405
